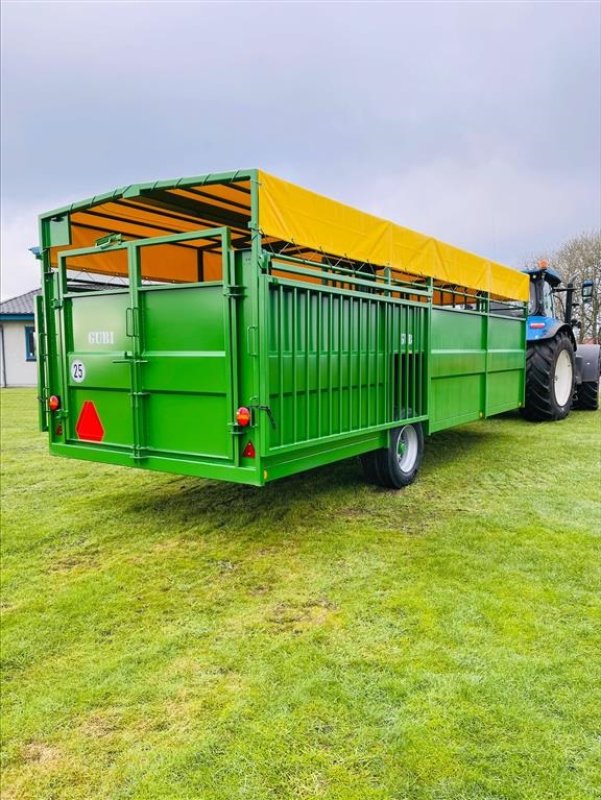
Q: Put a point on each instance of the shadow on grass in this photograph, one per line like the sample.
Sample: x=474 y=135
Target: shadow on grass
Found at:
x=299 y=501
x=310 y=499
x=455 y=445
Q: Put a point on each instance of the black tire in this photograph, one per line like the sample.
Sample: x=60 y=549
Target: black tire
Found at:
x=587 y=396
x=393 y=469
x=541 y=363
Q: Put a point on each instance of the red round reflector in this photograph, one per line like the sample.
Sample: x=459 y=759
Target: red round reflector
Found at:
x=243 y=416
x=54 y=403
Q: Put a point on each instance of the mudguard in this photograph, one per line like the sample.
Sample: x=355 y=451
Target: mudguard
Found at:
x=541 y=328
x=588 y=363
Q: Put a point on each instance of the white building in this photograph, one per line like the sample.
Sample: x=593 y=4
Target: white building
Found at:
x=17 y=341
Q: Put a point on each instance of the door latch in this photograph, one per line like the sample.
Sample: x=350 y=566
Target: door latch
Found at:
x=269 y=412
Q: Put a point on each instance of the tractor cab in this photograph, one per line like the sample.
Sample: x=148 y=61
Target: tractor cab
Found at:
x=545 y=310
x=543 y=282
x=544 y=307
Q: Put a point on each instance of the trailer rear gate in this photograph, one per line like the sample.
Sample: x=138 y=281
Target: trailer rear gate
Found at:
x=168 y=306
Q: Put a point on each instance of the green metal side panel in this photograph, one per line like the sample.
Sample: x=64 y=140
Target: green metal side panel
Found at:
x=458 y=364
x=342 y=368
x=506 y=364
x=477 y=366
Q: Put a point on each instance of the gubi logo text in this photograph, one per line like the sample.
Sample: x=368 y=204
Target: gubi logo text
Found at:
x=101 y=337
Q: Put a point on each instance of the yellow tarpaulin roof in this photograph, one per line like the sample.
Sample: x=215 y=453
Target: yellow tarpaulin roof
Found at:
x=297 y=215
x=286 y=213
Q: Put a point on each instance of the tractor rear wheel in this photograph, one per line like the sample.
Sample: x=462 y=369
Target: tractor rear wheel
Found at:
x=587 y=397
x=550 y=377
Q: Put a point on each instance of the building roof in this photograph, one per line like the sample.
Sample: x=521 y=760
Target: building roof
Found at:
x=21 y=306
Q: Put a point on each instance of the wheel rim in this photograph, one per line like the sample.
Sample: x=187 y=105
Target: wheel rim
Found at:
x=407 y=448
x=563 y=378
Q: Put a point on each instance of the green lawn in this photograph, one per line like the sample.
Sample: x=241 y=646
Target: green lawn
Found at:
x=166 y=637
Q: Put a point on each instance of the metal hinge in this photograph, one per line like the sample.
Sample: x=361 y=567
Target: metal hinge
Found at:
x=129 y=358
x=233 y=291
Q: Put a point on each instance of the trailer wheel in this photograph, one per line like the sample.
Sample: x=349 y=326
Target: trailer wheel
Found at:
x=550 y=377
x=587 y=396
x=398 y=464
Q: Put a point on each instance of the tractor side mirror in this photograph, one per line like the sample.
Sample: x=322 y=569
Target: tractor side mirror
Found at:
x=588 y=287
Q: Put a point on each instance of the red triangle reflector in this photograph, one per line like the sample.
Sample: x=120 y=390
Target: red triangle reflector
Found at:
x=89 y=426
x=249 y=451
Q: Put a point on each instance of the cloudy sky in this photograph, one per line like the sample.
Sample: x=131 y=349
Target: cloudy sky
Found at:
x=478 y=123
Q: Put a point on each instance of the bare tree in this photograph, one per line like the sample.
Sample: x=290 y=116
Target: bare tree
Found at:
x=579 y=260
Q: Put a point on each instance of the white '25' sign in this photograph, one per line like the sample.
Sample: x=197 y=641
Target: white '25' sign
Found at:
x=78 y=371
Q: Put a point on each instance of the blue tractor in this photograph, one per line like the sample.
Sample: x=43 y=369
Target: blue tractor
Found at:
x=560 y=374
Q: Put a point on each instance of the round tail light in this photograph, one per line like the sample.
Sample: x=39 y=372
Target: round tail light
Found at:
x=243 y=416
x=54 y=403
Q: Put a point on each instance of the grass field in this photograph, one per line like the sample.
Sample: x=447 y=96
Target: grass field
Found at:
x=165 y=637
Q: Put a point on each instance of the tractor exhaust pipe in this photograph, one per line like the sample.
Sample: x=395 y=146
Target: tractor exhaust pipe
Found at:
x=569 y=302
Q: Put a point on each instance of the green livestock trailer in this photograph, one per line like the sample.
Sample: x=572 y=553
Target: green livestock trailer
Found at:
x=235 y=326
